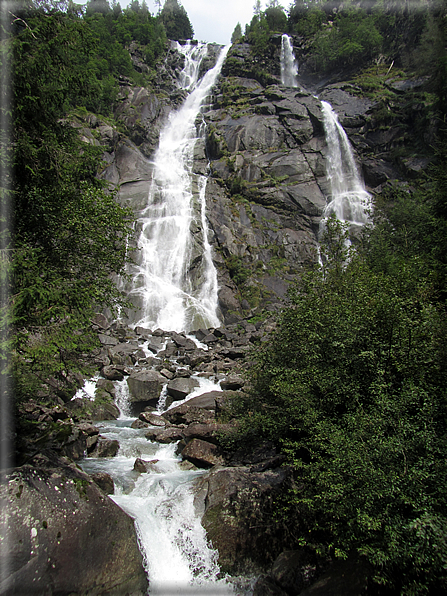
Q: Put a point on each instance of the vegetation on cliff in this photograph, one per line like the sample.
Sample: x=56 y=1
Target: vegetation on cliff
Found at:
x=352 y=384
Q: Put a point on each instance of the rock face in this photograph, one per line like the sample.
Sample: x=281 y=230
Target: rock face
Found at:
x=62 y=535
x=236 y=508
x=266 y=152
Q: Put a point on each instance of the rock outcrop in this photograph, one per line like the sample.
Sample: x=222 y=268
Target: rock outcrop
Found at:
x=62 y=535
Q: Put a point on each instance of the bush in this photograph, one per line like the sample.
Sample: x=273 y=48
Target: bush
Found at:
x=352 y=387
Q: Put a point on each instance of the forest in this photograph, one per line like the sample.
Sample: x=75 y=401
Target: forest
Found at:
x=351 y=386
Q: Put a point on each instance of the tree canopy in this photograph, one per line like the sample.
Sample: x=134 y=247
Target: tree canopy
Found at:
x=176 y=21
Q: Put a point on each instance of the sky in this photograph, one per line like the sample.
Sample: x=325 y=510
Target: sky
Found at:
x=213 y=20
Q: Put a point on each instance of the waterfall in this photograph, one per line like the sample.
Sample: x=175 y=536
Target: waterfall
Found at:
x=177 y=555
x=349 y=200
x=289 y=66
x=174 y=286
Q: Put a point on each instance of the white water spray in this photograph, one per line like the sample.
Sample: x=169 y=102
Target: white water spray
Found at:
x=349 y=201
x=176 y=553
x=289 y=65
x=163 y=288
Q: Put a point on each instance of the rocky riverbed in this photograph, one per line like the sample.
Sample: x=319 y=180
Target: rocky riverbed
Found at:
x=59 y=520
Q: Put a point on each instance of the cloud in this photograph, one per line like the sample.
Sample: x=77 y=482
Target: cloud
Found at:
x=215 y=20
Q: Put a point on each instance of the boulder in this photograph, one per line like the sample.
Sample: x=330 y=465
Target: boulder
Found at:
x=202 y=453
x=65 y=536
x=208 y=432
x=185 y=414
x=265 y=586
x=349 y=577
x=145 y=385
x=152 y=419
x=236 y=506
x=105 y=447
x=162 y=435
x=232 y=382
x=103 y=411
x=181 y=387
x=144 y=466
x=104 y=481
x=294 y=570
x=114 y=372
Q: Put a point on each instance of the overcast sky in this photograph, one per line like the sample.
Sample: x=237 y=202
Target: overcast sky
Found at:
x=213 y=20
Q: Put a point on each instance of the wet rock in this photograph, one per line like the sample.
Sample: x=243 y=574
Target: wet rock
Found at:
x=202 y=453
x=139 y=424
x=181 y=387
x=186 y=414
x=63 y=532
x=101 y=321
x=265 y=586
x=107 y=340
x=209 y=431
x=232 y=382
x=349 y=577
x=161 y=435
x=106 y=385
x=236 y=509
x=105 y=447
x=123 y=353
x=145 y=385
x=167 y=373
x=294 y=570
x=104 y=481
x=104 y=411
x=113 y=372
x=143 y=467
x=153 y=419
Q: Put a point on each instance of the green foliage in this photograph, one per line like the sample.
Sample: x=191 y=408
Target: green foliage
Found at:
x=305 y=22
x=237 y=34
x=352 y=37
x=176 y=21
x=276 y=19
x=70 y=234
x=352 y=386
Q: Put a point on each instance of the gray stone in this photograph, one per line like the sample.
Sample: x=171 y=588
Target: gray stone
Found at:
x=152 y=419
x=63 y=532
x=105 y=447
x=181 y=387
x=202 y=453
x=145 y=385
x=104 y=481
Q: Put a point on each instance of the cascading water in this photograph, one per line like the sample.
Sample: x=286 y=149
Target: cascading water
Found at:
x=289 y=65
x=349 y=201
x=177 y=556
x=165 y=291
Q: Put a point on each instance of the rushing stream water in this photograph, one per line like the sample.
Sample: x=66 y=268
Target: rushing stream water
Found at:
x=177 y=556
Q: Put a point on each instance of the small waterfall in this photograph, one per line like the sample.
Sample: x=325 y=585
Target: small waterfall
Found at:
x=289 y=65
x=177 y=555
x=175 y=283
x=349 y=200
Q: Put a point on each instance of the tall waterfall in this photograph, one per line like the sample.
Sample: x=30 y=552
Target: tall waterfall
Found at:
x=349 y=200
x=289 y=65
x=175 y=283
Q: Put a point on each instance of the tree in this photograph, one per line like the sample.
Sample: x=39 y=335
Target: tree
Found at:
x=70 y=234
x=352 y=387
x=276 y=18
x=176 y=21
x=237 y=33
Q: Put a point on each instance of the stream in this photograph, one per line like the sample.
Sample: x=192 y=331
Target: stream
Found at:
x=177 y=556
